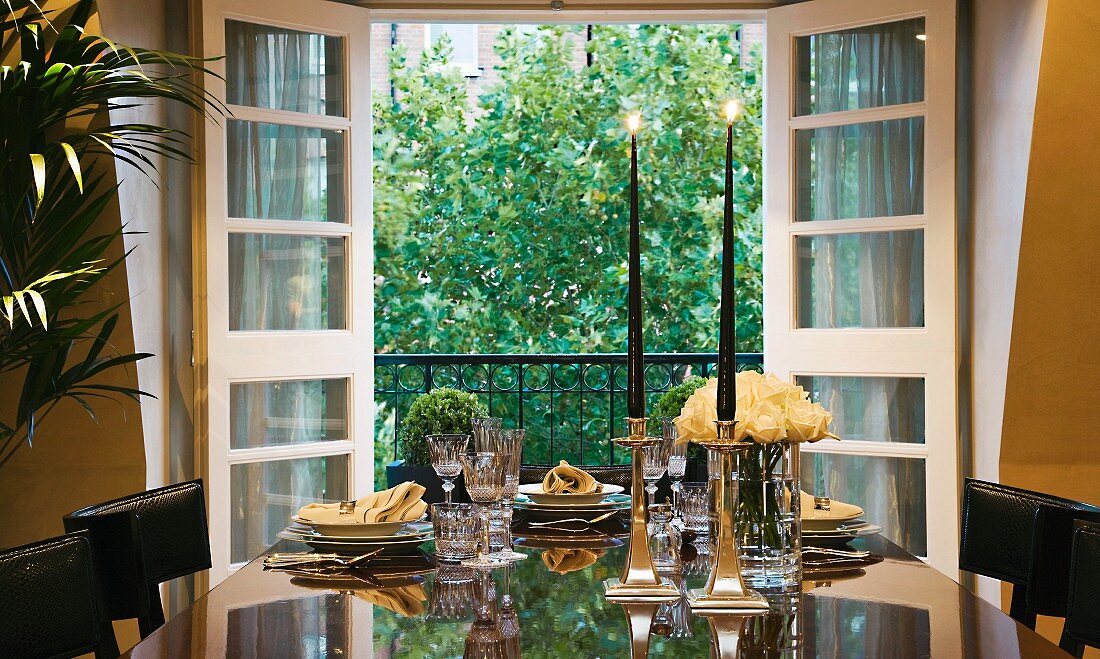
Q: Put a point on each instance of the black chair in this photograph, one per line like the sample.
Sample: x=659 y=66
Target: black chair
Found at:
x=48 y=600
x=1083 y=608
x=613 y=474
x=1023 y=538
x=141 y=541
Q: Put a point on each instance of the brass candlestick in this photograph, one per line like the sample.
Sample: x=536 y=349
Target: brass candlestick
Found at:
x=725 y=590
x=639 y=580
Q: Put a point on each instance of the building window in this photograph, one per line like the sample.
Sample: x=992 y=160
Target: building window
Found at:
x=463 y=45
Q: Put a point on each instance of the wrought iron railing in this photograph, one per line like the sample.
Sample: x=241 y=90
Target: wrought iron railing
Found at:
x=571 y=405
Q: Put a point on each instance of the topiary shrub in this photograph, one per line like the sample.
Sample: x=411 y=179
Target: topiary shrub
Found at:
x=671 y=404
x=440 y=411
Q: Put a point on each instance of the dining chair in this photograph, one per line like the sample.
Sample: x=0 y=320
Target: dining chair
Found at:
x=141 y=541
x=613 y=474
x=1023 y=538
x=48 y=600
x=1083 y=606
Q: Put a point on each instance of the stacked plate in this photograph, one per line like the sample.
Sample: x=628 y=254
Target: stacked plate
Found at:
x=537 y=503
x=839 y=525
x=390 y=537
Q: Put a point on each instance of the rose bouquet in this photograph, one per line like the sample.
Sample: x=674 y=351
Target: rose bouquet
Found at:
x=774 y=417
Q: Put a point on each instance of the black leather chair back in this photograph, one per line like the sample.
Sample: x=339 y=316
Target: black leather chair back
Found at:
x=1024 y=538
x=48 y=599
x=613 y=474
x=143 y=540
x=1083 y=609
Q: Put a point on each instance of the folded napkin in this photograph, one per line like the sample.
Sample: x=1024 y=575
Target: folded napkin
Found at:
x=407 y=601
x=564 y=561
x=567 y=479
x=836 y=508
x=397 y=504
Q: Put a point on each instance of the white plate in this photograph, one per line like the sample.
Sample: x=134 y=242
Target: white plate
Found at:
x=408 y=530
x=609 y=501
x=534 y=492
x=359 y=546
x=353 y=529
x=839 y=537
x=821 y=520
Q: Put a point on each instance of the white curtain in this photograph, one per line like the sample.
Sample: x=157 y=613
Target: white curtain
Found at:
x=868 y=279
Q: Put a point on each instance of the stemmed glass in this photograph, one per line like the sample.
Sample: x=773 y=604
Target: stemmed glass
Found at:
x=485 y=484
x=508 y=620
x=485 y=640
x=655 y=465
x=677 y=459
x=485 y=431
x=447 y=452
x=510 y=445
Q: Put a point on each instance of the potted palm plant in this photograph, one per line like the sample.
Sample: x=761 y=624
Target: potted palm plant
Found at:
x=55 y=96
x=440 y=411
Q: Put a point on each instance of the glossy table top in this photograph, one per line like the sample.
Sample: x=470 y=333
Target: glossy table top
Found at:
x=897 y=608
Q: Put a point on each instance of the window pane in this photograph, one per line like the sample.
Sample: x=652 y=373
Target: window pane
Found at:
x=279 y=172
x=871 y=409
x=463 y=42
x=873 y=279
x=865 y=67
x=280 y=69
x=872 y=169
x=286 y=282
x=288 y=412
x=890 y=490
x=266 y=494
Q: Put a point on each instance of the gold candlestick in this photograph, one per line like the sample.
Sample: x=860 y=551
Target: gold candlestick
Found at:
x=639 y=580
x=725 y=589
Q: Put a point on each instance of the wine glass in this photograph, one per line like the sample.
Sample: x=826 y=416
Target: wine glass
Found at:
x=485 y=431
x=485 y=484
x=654 y=466
x=677 y=459
x=509 y=444
x=447 y=452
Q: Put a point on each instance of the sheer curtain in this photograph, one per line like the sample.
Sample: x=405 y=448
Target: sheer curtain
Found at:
x=872 y=279
x=277 y=281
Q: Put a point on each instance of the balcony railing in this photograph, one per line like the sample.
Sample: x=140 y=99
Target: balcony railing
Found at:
x=571 y=405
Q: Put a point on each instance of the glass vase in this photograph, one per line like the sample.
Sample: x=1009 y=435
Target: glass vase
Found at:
x=769 y=523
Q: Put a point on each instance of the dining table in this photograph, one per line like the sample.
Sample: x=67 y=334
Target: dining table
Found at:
x=413 y=606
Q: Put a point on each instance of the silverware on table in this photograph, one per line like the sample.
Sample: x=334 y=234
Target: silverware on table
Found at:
x=594 y=520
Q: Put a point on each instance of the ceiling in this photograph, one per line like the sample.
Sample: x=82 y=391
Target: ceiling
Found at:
x=576 y=5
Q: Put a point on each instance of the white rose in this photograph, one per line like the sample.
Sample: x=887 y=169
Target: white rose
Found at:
x=696 y=420
x=766 y=423
x=807 y=422
x=770 y=389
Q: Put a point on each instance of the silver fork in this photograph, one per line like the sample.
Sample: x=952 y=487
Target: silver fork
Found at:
x=594 y=520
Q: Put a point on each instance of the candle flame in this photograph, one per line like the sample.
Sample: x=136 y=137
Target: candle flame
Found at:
x=633 y=121
x=733 y=108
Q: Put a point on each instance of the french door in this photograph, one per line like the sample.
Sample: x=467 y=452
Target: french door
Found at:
x=286 y=251
x=860 y=252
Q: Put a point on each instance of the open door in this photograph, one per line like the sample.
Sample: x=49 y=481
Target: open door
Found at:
x=860 y=253
x=283 y=264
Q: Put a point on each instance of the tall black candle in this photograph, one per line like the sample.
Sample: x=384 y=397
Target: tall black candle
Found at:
x=635 y=373
x=727 y=324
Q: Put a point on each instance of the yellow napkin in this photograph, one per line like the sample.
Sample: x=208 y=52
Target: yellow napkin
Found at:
x=406 y=601
x=397 y=504
x=564 y=561
x=836 y=508
x=567 y=479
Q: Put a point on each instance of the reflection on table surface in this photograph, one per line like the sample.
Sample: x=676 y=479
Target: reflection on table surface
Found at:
x=898 y=608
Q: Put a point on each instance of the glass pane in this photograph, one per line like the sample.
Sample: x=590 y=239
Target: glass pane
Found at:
x=873 y=169
x=865 y=67
x=286 y=282
x=890 y=490
x=266 y=494
x=288 y=412
x=279 y=172
x=281 y=69
x=873 y=279
x=871 y=409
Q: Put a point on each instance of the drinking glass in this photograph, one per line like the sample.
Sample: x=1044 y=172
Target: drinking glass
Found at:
x=447 y=452
x=485 y=431
x=484 y=473
x=677 y=459
x=655 y=466
x=456 y=530
x=509 y=443
x=695 y=507
x=454 y=593
x=664 y=541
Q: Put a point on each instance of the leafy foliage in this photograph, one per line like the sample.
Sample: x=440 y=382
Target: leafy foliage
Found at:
x=54 y=102
x=672 y=402
x=502 y=227
x=440 y=411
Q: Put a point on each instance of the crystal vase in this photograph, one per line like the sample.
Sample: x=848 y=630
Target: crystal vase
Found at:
x=769 y=524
